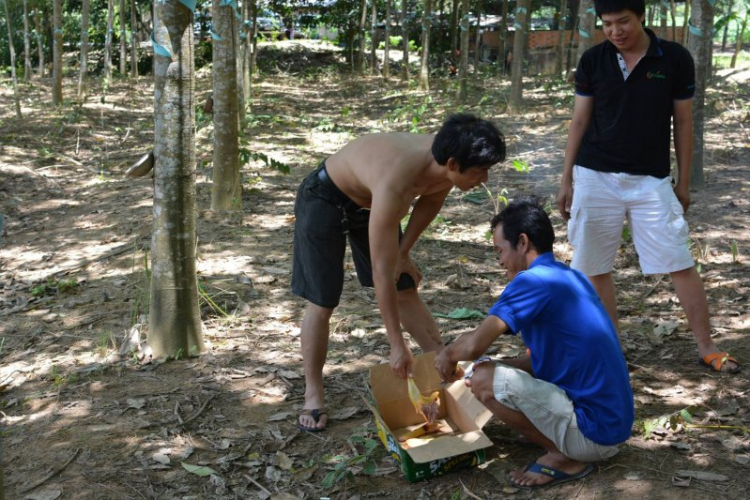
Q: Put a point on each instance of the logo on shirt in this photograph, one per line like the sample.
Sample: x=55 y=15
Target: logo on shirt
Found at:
x=658 y=76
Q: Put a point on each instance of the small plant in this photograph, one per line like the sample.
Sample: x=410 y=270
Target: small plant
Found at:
x=246 y=155
x=53 y=287
x=735 y=251
x=106 y=342
x=345 y=467
x=672 y=421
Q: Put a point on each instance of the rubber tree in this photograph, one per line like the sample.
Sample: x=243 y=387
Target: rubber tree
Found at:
x=39 y=40
x=360 y=65
x=16 y=97
x=83 y=68
x=405 y=40
x=387 y=44
x=523 y=14
x=478 y=38
x=108 y=43
x=174 y=318
x=502 y=48
x=699 y=44
x=226 y=193
x=57 y=48
x=133 y=41
x=26 y=43
x=374 y=40
x=246 y=42
x=586 y=27
x=424 y=66
x=463 y=67
x=560 y=51
x=123 y=46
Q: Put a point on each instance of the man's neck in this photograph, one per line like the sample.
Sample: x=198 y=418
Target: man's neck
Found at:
x=639 y=50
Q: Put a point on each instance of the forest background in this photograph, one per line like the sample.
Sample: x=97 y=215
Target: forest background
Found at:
x=149 y=145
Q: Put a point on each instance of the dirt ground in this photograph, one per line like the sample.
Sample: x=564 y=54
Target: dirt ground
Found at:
x=79 y=420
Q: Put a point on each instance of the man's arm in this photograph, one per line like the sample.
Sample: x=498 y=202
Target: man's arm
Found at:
x=469 y=347
x=385 y=214
x=683 y=146
x=424 y=212
x=582 y=110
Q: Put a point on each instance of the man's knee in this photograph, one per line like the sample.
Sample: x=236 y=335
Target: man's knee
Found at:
x=482 y=382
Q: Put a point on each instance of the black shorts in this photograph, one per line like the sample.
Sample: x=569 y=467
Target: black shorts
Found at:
x=325 y=218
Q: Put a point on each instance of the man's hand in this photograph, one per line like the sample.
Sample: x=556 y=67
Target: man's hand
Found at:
x=401 y=360
x=406 y=265
x=565 y=199
x=449 y=371
x=683 y=195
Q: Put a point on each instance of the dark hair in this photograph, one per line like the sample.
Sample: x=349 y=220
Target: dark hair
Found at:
x=526 y=215
x=471 y=141
x=613 y=6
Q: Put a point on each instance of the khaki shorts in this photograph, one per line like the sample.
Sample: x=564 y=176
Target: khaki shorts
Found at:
x=550 y=410
x=601 y=203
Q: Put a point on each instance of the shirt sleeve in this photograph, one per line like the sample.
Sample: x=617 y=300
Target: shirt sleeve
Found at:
x=522 y=301
x=584 y=73
x=685 y=81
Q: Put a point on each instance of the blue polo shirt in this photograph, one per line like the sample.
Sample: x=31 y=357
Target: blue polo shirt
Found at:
x=631 y=124
x=573 y=344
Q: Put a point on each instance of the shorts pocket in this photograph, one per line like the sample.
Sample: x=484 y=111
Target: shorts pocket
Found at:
x=678 y=227
x=574 y=226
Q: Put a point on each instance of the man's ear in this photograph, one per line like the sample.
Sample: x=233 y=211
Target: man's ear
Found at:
x=524 y=243
x=453 y=165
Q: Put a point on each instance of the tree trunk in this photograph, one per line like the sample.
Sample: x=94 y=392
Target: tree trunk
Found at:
x=738 y=45
x=83 y=70
x=123 y=45
x=361 y=35
x=405 y=41
x=238 y=63
x=673 y=15
x=227 y=189
x=246 y=36
x=502 y=57
x=57 y=48
x=663 y=19
x=16 y=97
x=108 y=43
x=725 y=33
x=26 y=43
x=463 y=67
x=685 y=23
x=560 y=53
x=515 y=103
x=387 y=46
x=174 y=319
x=133 y=41
x=39 y=41
x=454 y=26
x=478 y=39
x=699 y=45
x=254 y=52
x=374 y=71
x=424 y=68
x=586 y=27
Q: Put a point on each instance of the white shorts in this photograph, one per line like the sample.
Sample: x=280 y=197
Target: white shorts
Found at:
x=550 y=410
x=601 y=203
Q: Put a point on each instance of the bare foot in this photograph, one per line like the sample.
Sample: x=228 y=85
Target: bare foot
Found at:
x=558 y=461
x=313 y=420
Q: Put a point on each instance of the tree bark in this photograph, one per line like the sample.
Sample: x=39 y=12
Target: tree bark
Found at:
x=738 y=45
x=478 y=39
x=246 y=39
x=454 y=26
x=725 y=31
x=463 y=67
x=699 y=45
x=108 y=43
x=515 y=103
x=16 y=97
x=254 y=55
x=227 y=189
x=57 y=48
x=673 y=15
x=39 y=41
x=685 y=23
x=387 y=46
x=405 y=41
x=374 y=71
x=361 y=35
x=502 y=58
x=26 y=43
x=123 y=46
x=560 y=55
x=133 y=41
x=586 y=27
x=174 y=318
x=83 y=70
x=424 y=68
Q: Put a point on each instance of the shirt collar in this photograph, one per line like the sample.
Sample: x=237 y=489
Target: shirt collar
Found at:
x=544 y=259
x=654 y=47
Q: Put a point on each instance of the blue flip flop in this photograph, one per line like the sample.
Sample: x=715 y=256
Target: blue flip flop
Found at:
x=557 y=476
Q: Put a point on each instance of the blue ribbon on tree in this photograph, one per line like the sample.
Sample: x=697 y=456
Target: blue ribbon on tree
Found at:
x=215 y=35
x=695 y=31
x=160 y=50
x=190 y=4
x=591 y=10
x=584 y=33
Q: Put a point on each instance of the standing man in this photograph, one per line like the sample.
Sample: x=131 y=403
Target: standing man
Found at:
x=361 y=193
x=630 y=90
x=572 y=395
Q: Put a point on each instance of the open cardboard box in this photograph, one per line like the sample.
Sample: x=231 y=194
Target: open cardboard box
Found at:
x=458 y=443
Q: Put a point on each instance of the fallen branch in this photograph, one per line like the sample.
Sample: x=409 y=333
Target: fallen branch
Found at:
x=51 y=474
x=197 y=414
x=256 y=483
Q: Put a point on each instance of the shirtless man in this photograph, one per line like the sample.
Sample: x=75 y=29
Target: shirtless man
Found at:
x=361 y=193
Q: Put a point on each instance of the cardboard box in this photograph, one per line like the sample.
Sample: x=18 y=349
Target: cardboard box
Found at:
x=460 y=441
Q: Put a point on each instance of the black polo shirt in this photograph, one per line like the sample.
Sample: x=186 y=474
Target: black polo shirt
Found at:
x=631 y=124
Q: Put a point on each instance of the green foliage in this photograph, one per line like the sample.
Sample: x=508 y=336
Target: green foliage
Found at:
x=345 y=466
x=412 y=112
x=671 y=422
x=53 y=287
x=735 y=251
x=462 y=313
x=246 y=155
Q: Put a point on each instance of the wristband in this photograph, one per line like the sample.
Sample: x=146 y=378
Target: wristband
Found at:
x=476 y=363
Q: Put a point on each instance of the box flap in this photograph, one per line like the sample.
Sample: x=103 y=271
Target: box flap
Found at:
x=470 y=406
x=386 y=386
x=447 y=446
